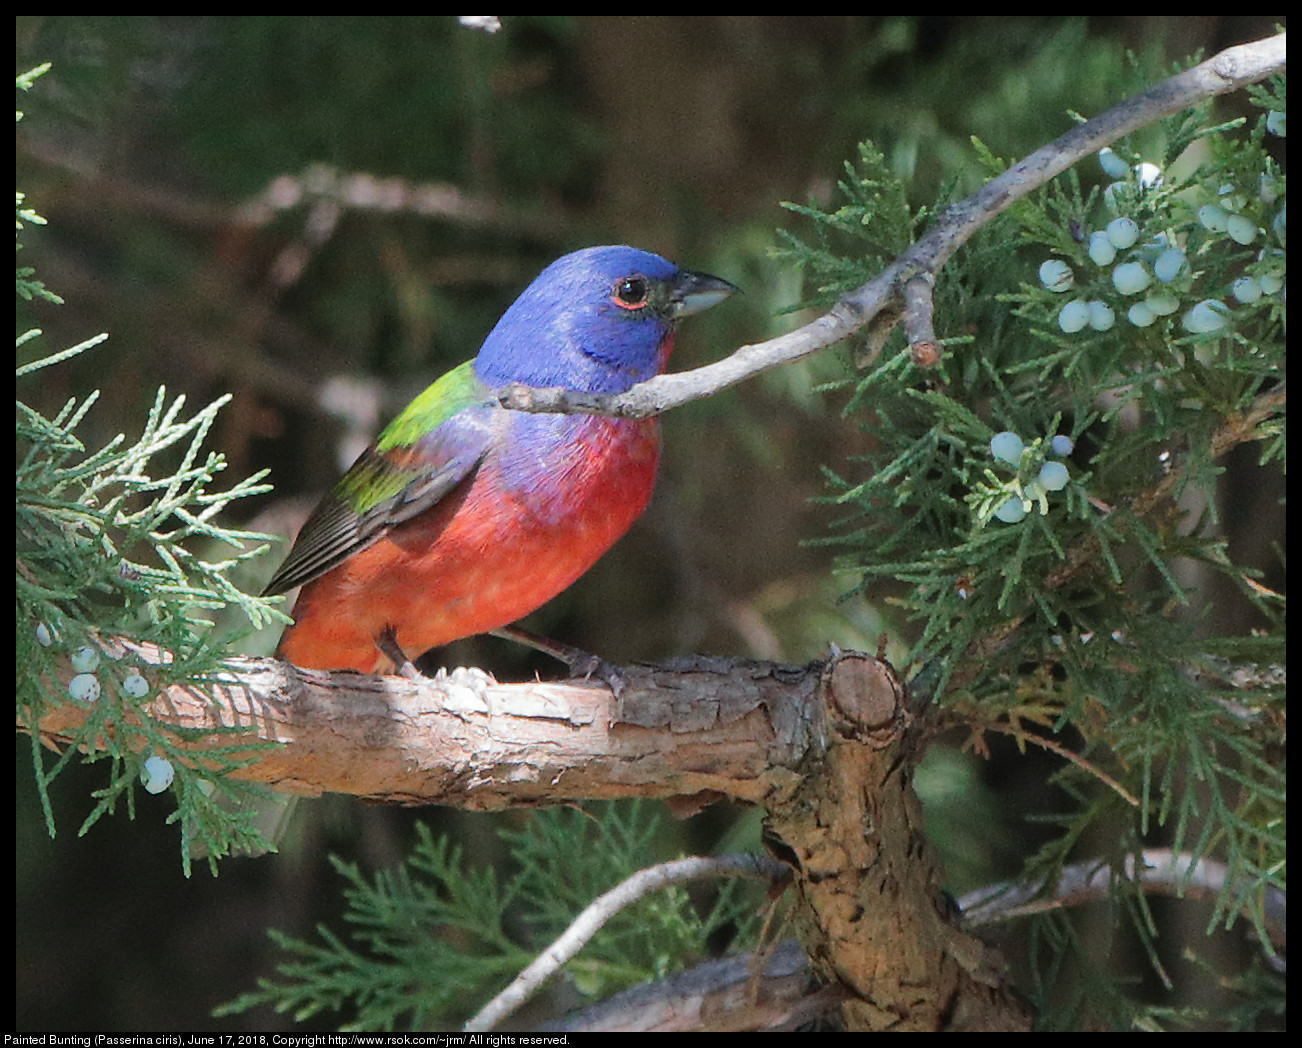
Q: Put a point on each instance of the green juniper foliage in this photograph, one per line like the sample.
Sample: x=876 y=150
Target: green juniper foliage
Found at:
x=1022 y=504
x=432 y=941
x=105 y=560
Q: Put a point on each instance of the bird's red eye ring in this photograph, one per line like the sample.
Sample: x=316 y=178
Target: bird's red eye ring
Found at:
x=631 y=292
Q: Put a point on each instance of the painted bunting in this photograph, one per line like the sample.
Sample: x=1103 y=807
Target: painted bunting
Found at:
x=464 y=515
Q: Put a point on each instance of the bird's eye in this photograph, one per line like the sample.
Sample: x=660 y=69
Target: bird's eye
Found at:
x=631 y=292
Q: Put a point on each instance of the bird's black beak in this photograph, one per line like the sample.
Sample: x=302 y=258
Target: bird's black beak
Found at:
x=694 y=292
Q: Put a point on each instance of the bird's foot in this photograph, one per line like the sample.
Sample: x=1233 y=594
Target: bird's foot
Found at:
x=580 y=663
x=588 y=666
x=471 y=677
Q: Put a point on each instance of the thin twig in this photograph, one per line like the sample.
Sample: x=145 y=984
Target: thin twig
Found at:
x=1066 y=754
x=919 y=305
x=1161 y=871
x=590 y=921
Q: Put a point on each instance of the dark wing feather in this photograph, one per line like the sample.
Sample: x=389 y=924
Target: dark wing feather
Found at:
x=381 y=490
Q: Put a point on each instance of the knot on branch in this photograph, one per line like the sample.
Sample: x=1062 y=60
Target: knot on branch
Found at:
x=866 y=698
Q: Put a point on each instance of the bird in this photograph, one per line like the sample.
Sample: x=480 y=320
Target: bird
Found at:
x=465 y=515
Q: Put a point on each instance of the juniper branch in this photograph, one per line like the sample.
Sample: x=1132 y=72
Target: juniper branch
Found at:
x=1232 y=69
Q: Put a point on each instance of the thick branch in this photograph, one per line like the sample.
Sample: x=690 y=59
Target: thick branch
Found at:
x=868 y=904
x=1233 y=68
x=733 y=727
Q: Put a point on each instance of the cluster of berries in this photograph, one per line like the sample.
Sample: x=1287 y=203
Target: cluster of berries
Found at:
x=1159 y=269
x=1008 y=447
x=84 y=687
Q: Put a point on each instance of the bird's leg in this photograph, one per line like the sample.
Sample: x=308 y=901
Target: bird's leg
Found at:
x=579 y=662
x=387 y=642
x=476 y=680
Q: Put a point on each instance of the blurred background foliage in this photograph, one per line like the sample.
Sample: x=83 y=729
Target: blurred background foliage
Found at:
x=166 y=153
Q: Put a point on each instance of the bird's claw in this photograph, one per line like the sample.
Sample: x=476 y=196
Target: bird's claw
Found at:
x=588 y=666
